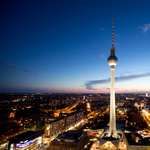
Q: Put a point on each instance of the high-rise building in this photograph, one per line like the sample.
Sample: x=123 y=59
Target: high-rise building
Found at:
x=112 y=61
x=88 y=106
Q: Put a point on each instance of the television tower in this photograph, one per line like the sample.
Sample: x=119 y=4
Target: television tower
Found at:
x=112 y=61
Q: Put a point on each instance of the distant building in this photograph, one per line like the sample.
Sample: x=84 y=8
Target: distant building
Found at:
x=28 y=140
x=135 y=141
x=120 y=103
x=70 y=140
x=88 y=106
x=146 y=95
x=38 y=126
x=130 y=98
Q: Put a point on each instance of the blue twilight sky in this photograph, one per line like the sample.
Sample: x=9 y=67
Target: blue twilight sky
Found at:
x=63 y=45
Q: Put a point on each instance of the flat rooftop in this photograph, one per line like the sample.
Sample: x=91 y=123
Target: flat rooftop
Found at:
x=26 y=135
x=131 y=139
x=70 y=136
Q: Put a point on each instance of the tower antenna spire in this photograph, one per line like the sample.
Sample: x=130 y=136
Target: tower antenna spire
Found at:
x=112 y=31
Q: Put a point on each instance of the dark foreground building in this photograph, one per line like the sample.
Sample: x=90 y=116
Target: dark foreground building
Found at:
x=135 y=141
x=70 y=140
x=25 y=141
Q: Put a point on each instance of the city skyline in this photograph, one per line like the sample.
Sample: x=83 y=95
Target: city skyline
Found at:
x=62 y=47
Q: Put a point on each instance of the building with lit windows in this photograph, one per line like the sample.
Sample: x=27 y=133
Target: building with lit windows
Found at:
x=54 y=126
x=88 y=105
x=25 y=141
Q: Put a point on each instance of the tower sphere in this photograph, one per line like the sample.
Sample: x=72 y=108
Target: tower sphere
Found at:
x=112 y=60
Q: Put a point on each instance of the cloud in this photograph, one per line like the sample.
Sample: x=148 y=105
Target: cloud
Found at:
x=11 y=71
x=102 y=29
x=8 y=65
x=102 y=55
x=89 y=84
x=146 y=27
x=26 y=70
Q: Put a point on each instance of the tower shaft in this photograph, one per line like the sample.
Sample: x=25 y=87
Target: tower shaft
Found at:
x=112 y=127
